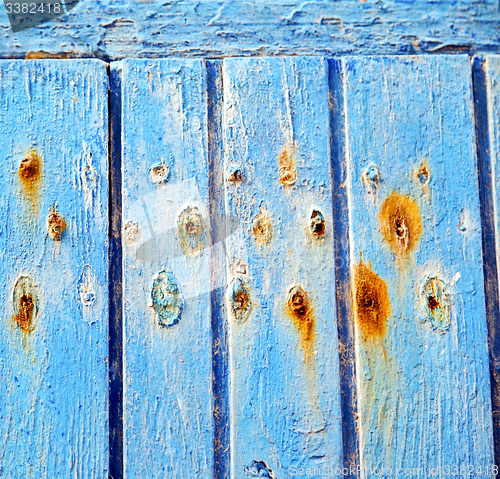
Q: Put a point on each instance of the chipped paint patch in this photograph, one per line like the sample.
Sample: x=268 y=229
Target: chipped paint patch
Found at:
x=435 y=304
x=400 y=223
x=191 y=231
x=56 y=225
x=159 y=174
x=259 y=469
x=371 y=302
x=167 y=299
x=26 y=303
x=87 y=286
x=132 y=231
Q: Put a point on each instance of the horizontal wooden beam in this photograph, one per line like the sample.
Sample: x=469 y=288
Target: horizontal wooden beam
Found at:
x=117 y=29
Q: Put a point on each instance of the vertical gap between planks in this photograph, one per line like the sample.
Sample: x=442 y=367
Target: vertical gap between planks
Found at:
x=350 y=438
x=219 y=230
x=488 y=239
x=115 y=283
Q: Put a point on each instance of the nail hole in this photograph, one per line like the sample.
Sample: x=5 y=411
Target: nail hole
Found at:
x=423 y=175
x=371 y=178
x=317 y=224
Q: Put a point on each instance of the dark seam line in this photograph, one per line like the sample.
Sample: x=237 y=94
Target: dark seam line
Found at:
x=115 y=280
x=350 y=439
x=220 y=361
x=488 y=240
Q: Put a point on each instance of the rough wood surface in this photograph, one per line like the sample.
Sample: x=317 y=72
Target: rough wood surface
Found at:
x=114 y=29
x=284 y=360
x=168 y=416
x=54 y=329
x=415 y=230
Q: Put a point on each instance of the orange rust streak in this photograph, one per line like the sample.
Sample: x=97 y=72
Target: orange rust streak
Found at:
x=30 y=173
x=23 y=318
x=372 y=303
x=300 y=310
x=288 y=175
x=400 y=222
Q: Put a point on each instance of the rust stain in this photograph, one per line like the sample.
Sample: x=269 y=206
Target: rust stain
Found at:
x=30 y=174
x=40 y=54
x=263 y=228
x=288 y=174
x=25 y=302
x=317 y=224
x=56 y=225
x=241 y=303
x=299 y=307
x=235 y=175
x=372 y=306
x=400 y=222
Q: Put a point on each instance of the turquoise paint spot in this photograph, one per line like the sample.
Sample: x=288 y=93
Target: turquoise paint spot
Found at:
x=167 y=299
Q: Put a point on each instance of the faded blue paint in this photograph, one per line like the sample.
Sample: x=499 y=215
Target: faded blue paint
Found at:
x=168 y=416
x=54 y=379
x=423 y=397
x=284 y=358
x=115 y=29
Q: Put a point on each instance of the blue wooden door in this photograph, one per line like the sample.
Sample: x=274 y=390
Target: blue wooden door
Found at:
x=302 y=268
x=316 y=228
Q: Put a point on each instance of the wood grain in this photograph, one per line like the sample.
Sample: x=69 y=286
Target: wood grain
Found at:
x=54 y=331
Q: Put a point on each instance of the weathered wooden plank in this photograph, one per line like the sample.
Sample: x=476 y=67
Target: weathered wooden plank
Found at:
x=114 y=29
x=54 y=269
x=415 y=231
x=168 y=418
x=284 y=359
x=487 y=102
